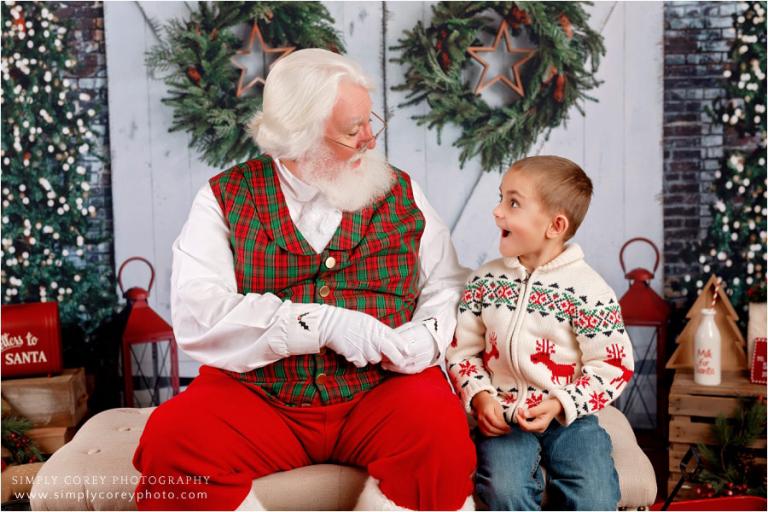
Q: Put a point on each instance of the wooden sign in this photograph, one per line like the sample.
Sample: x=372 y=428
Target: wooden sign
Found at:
x=757 y=327
x=758 y=373
x=733 y=356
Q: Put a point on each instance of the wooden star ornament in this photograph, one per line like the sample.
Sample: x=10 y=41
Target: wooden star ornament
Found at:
x=525 y=54
x=247 y=50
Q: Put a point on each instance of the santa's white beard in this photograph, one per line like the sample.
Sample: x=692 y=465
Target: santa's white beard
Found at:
x=346 y=187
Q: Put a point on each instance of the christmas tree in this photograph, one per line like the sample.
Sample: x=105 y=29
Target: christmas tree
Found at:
x=45 y=183
x=734 y=247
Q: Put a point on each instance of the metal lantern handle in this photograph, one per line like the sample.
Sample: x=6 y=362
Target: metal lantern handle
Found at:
x=139 y=258
x=638 y=239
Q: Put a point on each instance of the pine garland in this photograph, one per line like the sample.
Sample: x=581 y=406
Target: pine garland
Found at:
x=14 y=438
x=196 y=56
x=734 y=247
x=46 y=138
x=556 y=79
x=729 y=466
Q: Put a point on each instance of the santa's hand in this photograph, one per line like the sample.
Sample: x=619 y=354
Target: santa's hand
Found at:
x=419 y=347
x=360 y=338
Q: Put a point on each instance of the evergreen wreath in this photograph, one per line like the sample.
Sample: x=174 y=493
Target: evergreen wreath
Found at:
x=555 y=79
x=202 y=82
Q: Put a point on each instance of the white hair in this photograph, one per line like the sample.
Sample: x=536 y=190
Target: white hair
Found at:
x=349 y=185
x=299 y=95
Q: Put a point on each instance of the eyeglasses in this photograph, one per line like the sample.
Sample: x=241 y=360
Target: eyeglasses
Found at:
x=362 y=146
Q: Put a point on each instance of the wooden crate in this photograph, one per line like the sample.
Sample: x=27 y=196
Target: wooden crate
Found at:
x=693 y=409
x=59 y=401
x=50 y=439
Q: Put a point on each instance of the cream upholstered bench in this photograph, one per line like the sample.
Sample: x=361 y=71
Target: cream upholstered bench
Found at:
x=94 y=471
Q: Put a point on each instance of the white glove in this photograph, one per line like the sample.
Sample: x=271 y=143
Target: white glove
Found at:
x=419 y=346
x=300 y=333
x=359 y=337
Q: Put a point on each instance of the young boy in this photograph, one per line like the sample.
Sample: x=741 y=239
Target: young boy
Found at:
x=540 y=338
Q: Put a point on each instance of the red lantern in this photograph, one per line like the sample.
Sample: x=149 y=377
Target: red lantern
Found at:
x=147 y=328
x=647 y=315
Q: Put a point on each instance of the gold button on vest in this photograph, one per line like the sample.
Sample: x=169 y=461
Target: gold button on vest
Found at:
x=330 y=262
x=324 y=291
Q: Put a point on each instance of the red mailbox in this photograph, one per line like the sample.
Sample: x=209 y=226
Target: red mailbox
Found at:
x=31 y=339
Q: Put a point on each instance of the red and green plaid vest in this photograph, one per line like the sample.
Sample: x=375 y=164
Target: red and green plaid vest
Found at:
x=376 y=271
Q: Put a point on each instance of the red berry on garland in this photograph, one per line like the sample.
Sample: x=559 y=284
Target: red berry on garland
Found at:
x=517 y=17
x=567 y=26
x=551 y=73
x=193 y=75
x=33 y=459
x=559 y=93
x=445 y=61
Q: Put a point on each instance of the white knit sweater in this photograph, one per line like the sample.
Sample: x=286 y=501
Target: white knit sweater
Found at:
x=557 y=332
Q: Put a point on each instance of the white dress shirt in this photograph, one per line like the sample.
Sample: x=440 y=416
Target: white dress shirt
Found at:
x=217 y=326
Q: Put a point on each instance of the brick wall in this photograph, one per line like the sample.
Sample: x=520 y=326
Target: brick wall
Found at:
x=86 y=42
x=697 y=40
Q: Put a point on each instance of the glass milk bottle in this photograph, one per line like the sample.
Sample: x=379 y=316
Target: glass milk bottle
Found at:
x=706 y=348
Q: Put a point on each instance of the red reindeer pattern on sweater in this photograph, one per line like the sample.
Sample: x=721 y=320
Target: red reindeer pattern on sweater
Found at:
x=494 y=352
x=615 y=357
x=544 y=351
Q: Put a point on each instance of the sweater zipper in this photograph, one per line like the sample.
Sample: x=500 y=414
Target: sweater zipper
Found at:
x=521 y=387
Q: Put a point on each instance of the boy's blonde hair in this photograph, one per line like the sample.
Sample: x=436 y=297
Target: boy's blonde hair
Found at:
x=562 y=186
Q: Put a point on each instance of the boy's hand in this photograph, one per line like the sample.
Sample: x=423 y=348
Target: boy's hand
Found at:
x=489 y=415
x=537 y=419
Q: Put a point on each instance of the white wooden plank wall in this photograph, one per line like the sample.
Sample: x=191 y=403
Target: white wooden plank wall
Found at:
x=618 y=141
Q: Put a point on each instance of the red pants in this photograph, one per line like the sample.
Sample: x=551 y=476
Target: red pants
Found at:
x=202 y=449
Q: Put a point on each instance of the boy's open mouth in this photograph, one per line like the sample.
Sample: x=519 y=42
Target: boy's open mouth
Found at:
x=504 y=233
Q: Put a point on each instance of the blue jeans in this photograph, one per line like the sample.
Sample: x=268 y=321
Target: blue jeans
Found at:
x=579 y=467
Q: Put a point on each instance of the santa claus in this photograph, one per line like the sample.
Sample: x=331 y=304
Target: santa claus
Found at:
x=318 y=288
